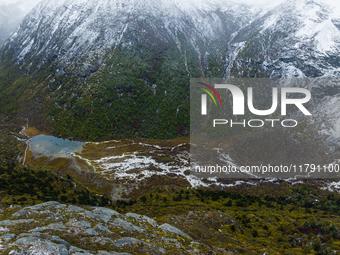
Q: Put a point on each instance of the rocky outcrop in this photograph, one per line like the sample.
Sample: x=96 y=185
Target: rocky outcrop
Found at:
x=54 y=228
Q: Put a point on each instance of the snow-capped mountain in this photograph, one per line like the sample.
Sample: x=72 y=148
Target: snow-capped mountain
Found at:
x=295 y=39
x=66 y=46
x=67 y=29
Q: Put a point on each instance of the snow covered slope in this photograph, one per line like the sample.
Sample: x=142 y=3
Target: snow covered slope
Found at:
x=204 y=38
x=67 y=29
x=295 y=39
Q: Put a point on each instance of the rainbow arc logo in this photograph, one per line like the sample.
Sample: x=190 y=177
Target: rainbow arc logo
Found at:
x=209 y=93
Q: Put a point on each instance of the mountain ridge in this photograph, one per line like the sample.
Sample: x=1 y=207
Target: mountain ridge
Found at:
x=158 y=44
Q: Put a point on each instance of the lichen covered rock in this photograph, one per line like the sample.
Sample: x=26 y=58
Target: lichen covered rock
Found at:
x=59 y=229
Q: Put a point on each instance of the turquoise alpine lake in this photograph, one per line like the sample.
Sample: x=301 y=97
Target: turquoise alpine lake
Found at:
x=54 y=146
